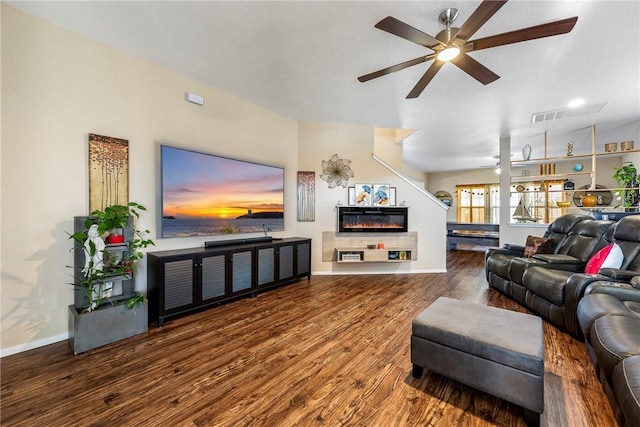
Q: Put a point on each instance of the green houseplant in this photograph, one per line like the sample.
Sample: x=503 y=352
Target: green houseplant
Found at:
x=625 y=176
x=101 y=314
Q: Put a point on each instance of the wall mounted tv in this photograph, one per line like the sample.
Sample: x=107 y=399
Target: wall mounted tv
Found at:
x=205 y=194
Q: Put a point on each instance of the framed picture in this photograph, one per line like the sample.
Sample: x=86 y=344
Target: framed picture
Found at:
x=108 y=171
x=351 y=196
x=363 y=194
x=381 y=194
x=392 y=196
x=306 y=196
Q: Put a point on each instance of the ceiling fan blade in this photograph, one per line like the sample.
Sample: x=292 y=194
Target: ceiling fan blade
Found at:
x=536 y=32
x=395 y=68
x=478 y=18
x=406 y=31
x=426 y=78
x=475 y=69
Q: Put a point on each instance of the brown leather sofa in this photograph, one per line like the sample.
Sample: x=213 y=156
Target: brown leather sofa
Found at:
x=552 y=284
x=609 y=317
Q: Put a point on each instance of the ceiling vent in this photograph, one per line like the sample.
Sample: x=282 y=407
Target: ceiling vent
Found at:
x=566 y=112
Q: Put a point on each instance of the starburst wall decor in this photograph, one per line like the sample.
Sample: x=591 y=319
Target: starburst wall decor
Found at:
x=336 y=171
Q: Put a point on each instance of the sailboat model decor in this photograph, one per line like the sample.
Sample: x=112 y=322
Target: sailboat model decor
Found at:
x=521 y=214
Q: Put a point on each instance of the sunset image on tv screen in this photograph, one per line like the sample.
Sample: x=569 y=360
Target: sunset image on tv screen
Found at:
x=204 y=194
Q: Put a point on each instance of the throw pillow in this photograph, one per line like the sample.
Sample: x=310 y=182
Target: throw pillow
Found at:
x=537 y=245
x=610 y=256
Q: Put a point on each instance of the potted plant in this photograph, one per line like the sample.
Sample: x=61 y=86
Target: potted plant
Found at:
x=625 y=176
x=113 y=219
x=101 y=266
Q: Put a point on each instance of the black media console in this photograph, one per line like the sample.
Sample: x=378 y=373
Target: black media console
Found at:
x=183 y=280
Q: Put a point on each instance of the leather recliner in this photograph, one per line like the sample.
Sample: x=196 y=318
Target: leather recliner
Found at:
x=553 y=292
x=609 y=317
x=498 y=260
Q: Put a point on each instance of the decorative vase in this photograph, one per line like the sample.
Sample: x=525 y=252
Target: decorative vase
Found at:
x=526 y=152
x=589 y=201
x=115 y=238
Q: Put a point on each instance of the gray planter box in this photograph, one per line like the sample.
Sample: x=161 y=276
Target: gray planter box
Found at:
x=106 y=325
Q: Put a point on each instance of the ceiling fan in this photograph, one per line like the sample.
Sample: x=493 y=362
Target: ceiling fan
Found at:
x=453 y=44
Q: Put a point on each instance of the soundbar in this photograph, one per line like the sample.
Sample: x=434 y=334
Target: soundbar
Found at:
x=217 y=243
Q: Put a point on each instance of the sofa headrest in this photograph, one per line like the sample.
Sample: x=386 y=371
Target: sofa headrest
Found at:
x=608 y=236
x=628 y=228
x=596 y=228
x=565 y=223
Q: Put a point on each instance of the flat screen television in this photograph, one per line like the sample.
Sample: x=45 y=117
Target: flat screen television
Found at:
x=205 y=194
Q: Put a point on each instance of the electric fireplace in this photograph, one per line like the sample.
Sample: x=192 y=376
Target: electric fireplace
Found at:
x=352 y=219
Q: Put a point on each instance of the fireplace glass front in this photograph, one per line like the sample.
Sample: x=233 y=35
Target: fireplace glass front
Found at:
x=372 y=219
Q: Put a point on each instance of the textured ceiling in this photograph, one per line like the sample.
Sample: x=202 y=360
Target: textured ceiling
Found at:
x=301 y=60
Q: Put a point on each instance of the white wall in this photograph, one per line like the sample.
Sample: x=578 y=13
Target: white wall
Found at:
x=356 y=143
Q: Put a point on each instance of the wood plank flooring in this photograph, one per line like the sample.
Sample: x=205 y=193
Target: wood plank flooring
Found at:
x=332 y=351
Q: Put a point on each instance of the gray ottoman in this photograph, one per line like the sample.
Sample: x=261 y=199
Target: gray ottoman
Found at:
x=498 y=351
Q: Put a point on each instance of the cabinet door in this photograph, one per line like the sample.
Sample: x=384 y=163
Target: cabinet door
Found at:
x=266 y=266
x=285 y=262
x=303 y=259
x=213 y=277
x=178 y=290
x=241 y=271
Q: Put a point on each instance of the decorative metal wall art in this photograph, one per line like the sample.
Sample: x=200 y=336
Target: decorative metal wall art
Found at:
x=336 y=171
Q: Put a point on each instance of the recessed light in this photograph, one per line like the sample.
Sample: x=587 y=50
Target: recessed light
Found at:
x=575 y=103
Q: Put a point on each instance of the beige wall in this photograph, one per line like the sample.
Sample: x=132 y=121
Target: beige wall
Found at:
x=318 y=142
x=58 y=87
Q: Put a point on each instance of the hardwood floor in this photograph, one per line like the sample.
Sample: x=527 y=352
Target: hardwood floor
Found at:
x=331 y=351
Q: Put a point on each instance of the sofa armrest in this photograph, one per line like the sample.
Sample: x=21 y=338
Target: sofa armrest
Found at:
x=558 y=259
x=574 y=290
x=622 y=291
x=619 y=274
x=560 y=262
x=507 y=249
x=515 y=248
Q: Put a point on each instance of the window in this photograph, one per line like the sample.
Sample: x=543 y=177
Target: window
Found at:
x=479 y=203
x=533 y=201
x=529 y=201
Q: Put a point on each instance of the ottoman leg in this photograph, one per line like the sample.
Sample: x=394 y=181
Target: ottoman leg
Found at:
x=531 y=418
x=417 y=371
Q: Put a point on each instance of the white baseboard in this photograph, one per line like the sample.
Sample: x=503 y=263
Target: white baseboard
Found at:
x=33 y=344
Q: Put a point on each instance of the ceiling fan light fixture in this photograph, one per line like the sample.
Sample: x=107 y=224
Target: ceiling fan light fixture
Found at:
x=448 y=53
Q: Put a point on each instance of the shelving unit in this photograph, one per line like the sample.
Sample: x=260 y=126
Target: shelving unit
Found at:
x=356 y=254
x=590 y=162
x=122 y=286
x=353 y=247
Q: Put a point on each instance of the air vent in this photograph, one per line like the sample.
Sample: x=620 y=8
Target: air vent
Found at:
x=566 y=112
